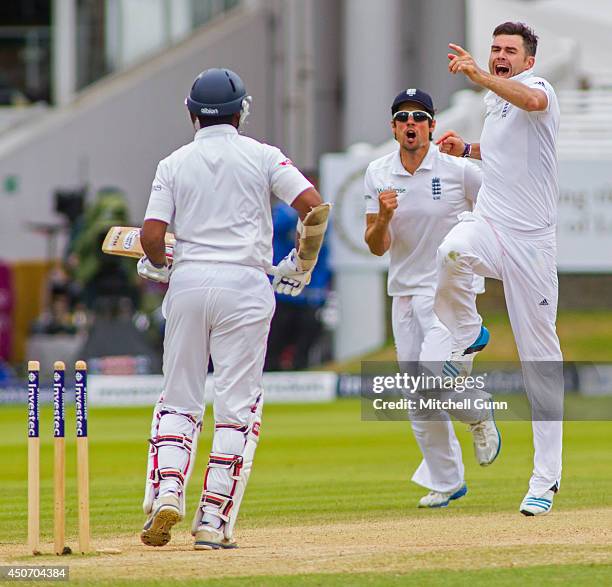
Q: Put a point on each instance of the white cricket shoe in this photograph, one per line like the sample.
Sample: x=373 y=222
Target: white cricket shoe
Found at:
x=461 y=361
x=537 y=506
x=441 y=499
x=209 y=538
x=166 y=513
x=487 y=441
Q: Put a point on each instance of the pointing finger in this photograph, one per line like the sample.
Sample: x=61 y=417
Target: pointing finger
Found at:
x=458 y=49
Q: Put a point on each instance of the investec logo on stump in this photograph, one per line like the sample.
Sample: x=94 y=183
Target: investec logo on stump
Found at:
x=58 y=404
x=80 y=386
x=33 y=404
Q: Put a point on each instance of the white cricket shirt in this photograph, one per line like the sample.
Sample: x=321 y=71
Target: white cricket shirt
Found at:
x=216 y=192
x=428 y=205
x=520 y=188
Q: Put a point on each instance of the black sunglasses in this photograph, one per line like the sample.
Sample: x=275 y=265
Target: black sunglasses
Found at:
x=417 y=115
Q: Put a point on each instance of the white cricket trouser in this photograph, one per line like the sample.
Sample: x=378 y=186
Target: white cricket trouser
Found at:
x=223 y=311
x=420 y=336
x=527 y=267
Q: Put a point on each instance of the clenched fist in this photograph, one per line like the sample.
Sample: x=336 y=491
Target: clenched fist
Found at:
x=387 y=202
x=451 y=143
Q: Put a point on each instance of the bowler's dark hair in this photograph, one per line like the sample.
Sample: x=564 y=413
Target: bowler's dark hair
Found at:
x=530 y=39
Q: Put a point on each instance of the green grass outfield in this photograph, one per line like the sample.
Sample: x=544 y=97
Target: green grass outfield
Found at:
x=319 y=466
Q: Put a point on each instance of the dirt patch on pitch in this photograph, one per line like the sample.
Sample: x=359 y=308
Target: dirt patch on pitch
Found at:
x=439 y=541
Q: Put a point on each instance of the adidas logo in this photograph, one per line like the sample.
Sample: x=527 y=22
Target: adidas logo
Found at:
x=544 y=302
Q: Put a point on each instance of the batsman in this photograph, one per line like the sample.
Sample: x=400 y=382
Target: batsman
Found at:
x=216 y=192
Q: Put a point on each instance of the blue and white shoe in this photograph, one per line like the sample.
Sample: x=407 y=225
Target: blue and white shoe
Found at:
x=460 y=362
x=440 y=499
x=537 y=506
x=486 y=439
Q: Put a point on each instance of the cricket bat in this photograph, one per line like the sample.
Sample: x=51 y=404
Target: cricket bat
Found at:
x=125 y=242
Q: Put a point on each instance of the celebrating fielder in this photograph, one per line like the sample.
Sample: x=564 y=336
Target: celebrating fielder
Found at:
x=413 y=197
x=511 y=236
x=216 y=191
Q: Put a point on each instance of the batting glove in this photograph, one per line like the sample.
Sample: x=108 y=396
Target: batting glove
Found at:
x=288 y=279
x=148 y=270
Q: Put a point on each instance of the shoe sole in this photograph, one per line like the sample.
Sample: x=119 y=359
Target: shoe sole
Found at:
x=433 y=507
x=499 y=442
x=204 y=545
x=532 y=515
x=159 y=532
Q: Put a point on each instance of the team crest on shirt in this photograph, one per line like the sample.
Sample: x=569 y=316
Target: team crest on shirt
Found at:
x=436 y=188
x=286 y=162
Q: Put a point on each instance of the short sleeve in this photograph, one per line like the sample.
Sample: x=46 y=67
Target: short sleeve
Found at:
x=286 y=180
x=472 y=179
x=370 y=193
x=478 y=284
x=541 y=84
x=161 y=200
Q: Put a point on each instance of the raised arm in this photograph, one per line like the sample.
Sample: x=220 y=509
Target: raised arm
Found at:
x=452 y=144
x=377 y=234
x=517 y=93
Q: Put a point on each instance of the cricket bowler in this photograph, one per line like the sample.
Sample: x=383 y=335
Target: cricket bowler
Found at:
x=510 y=236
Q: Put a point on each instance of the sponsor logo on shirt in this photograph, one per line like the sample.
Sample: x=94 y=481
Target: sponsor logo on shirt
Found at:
x=436 y=188
x=544 y=302
x=157 y=187
x=540 y=83
x=286 y=162
x=505 y=109
x=391 y=188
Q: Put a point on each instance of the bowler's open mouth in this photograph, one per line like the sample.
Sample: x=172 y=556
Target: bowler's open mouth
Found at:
x=501 y=69
x=411 y=134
